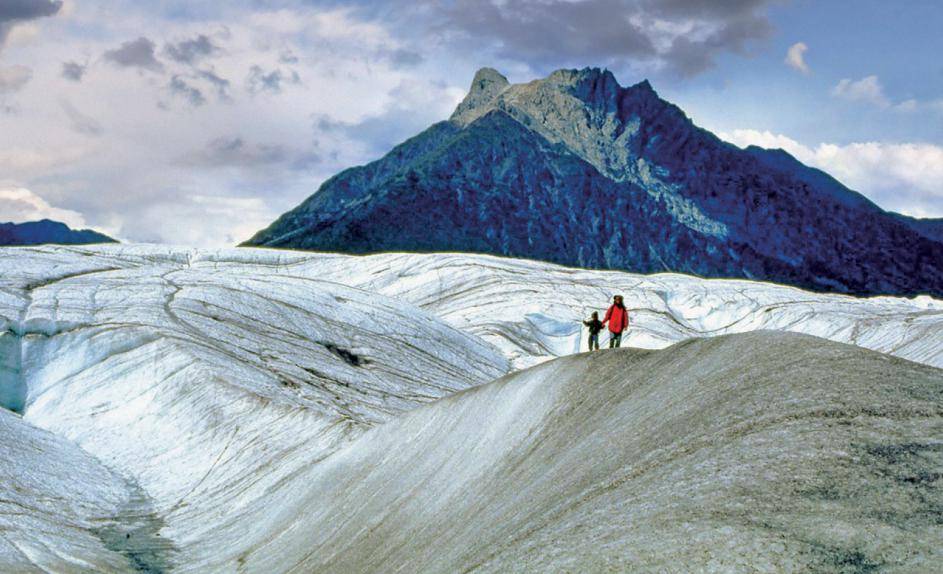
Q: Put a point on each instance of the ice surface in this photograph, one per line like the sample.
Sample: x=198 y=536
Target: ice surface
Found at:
x=209 y=383
x=257 y=409
x=55 y=501
x=744 y=453
x=498 y=299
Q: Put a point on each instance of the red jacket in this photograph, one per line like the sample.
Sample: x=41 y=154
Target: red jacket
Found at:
x=618 y=319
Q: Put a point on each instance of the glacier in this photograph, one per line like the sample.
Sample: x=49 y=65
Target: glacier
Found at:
x=261 y=410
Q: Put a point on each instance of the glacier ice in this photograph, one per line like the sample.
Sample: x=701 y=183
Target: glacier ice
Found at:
x=264 y=410
x=740 y=453
x=61 y=510
x=208 y=385
x=519 y=305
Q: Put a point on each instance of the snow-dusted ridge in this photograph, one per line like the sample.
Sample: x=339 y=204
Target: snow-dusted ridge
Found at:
x=258 y=408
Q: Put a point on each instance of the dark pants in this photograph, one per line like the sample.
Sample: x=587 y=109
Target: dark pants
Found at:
x=615 y=340
x=593 y=341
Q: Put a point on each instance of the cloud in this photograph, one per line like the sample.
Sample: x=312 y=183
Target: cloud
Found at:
x=867 y=89
x=272 y=81
x=681 y=37
x=405 y=58
x=13 y=78
x=902 y=177
x=73 y=71
x=135 y=54
x=409 y=111
x=234 y=151
x=80 y=122
x=870 y=91
x=221 y=85
x=180 y=88
x=192 y=50
x=795 y=57
x=200 y=219
x=18 y=204
x=13 y=12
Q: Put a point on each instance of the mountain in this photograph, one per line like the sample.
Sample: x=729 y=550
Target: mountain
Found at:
x=929 y=228
x=578 y=170
x=48 y=231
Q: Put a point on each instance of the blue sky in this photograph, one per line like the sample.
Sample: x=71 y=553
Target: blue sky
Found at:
x=200 y=122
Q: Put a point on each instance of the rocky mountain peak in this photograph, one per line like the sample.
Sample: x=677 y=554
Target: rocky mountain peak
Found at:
x=591 y=85
x=487 y=84
x=587 y=110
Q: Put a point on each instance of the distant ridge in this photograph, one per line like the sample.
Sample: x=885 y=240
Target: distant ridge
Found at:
x=578 y=170
x=48 y=231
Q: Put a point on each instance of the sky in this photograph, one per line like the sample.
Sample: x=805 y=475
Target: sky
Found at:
x=196 y=122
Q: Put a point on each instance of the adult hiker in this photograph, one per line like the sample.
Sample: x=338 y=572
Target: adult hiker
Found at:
x=595 y=326
x=618 y=318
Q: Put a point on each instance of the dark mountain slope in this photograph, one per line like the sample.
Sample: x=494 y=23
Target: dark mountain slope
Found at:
x=47 y=231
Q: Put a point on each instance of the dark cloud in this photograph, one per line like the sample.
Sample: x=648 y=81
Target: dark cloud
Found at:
x=15 y=11
x=73 y=71
x=79 y=122
x=192 y=50
x=136 y=54
x=220 y=84
x=180 y=88
x=234 y=151
x=403 y=58
x=683 y=36
x=261 y=81
x=690 y=57
x=260 y=161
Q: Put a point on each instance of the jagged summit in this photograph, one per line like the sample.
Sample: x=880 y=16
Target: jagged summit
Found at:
x=595 y=87
x=585 y=109
x=576 y=169
x=487 y=84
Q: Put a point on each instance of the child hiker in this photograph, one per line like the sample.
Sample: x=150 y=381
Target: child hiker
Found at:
x=595 y=326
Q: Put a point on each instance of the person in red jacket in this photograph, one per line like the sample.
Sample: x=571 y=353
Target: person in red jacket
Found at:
x=618 y=318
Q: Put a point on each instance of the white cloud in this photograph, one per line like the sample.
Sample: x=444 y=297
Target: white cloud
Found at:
x=13 y=78
x=870 y=90
x=867 y=89
x=902 y=177
x=795 y=57
x=18 y=204
x=80 y=122
x=22 y=34
x=207 y=221
x=128 y=153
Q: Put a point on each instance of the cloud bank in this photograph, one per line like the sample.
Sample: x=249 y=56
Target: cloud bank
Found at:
x=18 y=204
x=902 y=177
